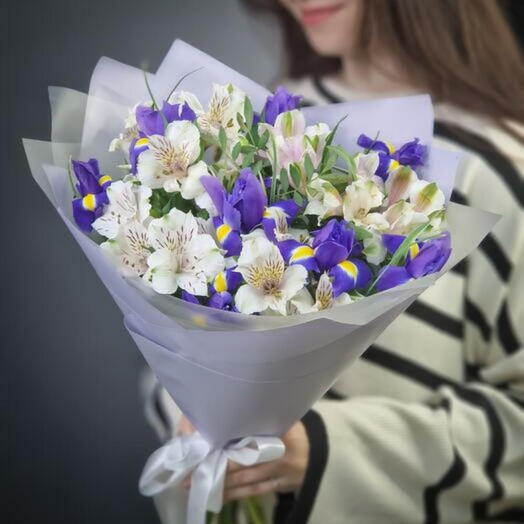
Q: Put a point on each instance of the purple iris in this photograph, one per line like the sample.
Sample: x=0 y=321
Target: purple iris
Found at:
x=411 y=154
x=279 y=102
x=151 y=121
x=335 y=242
x=222 y=288
x=188 y=297
x=248 y=198
x=92 y=187
x=334 y=250
x=289 y=207
x=426 y=258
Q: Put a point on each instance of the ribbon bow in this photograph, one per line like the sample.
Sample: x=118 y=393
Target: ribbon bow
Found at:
x=191 y=454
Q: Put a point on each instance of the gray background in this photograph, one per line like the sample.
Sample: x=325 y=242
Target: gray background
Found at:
x=74 y=438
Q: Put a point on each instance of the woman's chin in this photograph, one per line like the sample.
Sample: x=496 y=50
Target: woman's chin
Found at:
x=326 y=43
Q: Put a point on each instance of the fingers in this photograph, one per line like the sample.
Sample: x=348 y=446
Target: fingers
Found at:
x=243 y=476
x=253 y=490
x=185 y=427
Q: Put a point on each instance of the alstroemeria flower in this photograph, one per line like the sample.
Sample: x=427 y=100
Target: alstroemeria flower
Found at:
x=226 y=102
x=92 y=186
x=151 y=121
x=293 y=140
x=166 y=161
x=183 y=257
x=324 y=199
x=362 y=196
x=426 y=197
x=410 y=154
x=402 y=217
x=399 y=184
x=269 y=284
x=277 y=217
x=130 y=133
x=248 y=197
x=279 y=102
x=324 y=297
x=127 y=203
x=129 y=249
x=222 y=288
x=423 y=259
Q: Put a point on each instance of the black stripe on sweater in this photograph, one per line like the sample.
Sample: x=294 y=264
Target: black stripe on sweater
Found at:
x=489 y=153
x=452 y=477
x=417 y=373
x=477 y=318
x=496 y=256
x=326 y=93
x=436 y=319
x=505 y=331
x=318 y=456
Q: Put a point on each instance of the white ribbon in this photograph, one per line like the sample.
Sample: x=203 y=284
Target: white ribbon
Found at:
x=191 y=454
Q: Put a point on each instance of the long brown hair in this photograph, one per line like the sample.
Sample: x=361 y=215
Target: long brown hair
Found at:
x=463 y=52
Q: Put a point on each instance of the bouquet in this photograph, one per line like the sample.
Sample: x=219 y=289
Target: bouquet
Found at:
x=255 y=248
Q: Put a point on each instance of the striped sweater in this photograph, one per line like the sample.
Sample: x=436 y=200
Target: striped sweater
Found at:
x=428 y=426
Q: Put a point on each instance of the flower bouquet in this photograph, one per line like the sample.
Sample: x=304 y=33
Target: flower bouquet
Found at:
x=255 y=248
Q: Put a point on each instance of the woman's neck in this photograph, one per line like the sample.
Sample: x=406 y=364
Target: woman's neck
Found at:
x=377 y=76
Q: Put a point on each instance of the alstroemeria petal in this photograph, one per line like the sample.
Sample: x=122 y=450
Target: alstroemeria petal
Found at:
x=249 y=300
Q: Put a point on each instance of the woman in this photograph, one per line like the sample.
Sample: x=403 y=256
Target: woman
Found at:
x=429 y=425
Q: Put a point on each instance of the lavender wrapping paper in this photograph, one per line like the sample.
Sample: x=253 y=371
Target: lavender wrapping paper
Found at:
x=221 y=367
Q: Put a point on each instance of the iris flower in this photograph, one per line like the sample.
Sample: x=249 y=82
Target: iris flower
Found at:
x=92 y=186
x=423 y=259
x=412 y=154
x=237 y=212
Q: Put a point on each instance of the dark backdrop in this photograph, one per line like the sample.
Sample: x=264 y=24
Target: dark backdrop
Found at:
x=74 y=438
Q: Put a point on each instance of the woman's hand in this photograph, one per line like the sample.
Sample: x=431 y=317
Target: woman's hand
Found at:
x=282 y=475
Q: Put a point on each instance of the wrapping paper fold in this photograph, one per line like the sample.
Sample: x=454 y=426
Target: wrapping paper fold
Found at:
x=221 y=368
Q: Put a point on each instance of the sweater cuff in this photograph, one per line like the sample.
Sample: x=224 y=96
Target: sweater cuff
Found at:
x=299 y=512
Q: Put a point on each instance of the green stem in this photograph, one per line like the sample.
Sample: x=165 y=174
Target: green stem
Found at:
x=254 y=511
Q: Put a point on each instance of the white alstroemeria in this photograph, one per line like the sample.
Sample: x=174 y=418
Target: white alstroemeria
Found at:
x=183 y=257
x=269 y=284
x=374 y=248
x=400 y=183
x=324 y=298
x=165 y=163
x=361 y=197
x=128 y=202
x=315 y=136
x=366 y=165
x=426 y=197
x=402 y=217
x=123 y=141
x=191 y=187
x=324 y=199
x=130 y=249
x=288 y=137
x=225 y=103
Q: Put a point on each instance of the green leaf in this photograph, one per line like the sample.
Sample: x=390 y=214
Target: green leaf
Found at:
x=308 y=166
x=331 y=136
x=248 y=112
x=361 y=232
x=263 y=139
x=297 y=197
x=236 y=150
x=296 y=176
x=284 y=180
x=346 y=157
x=222 y=139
